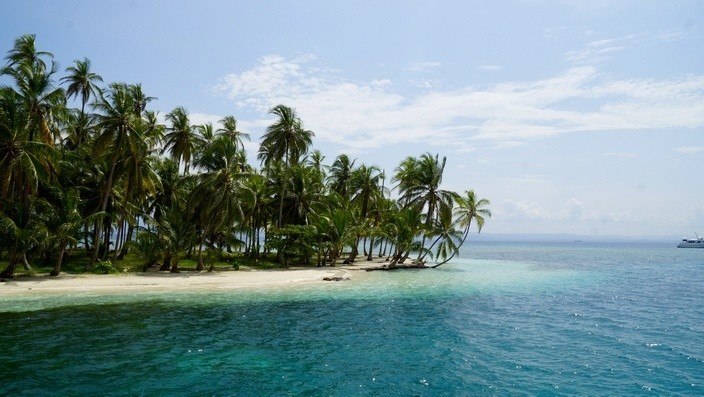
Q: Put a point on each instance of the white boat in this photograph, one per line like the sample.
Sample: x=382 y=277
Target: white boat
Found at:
x=697 y=242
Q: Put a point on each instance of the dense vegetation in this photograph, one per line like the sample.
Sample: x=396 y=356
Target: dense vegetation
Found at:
x=107 y=177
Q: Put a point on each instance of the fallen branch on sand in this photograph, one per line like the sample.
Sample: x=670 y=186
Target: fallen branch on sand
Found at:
x=397 y=267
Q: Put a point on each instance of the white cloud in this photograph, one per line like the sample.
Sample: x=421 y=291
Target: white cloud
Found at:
x=599 y=50
x=521 y=211
x=365 y=114
x=573 y=211
x=690 y=149
x=202 y=118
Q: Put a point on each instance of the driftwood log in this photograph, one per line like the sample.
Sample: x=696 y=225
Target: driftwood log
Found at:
x=397 y=267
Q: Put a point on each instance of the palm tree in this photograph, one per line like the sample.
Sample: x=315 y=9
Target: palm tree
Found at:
x=469 y=208
x=117 y=123
x=341 y=175
x=286 y=139
x=181 y=137
x=229 y=128
x=23 y=162
x=139 y=182
x=64 y=223
x=419 y=183
x=364 y=186
x=20 y=232
x=215 y=199
x=315 y=160
x=42 y=101
x=255 y=199
x=82 y=82
x=25 y=51
x=139 y=98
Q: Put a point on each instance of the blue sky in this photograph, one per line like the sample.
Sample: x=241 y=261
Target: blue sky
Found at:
x=570 y=116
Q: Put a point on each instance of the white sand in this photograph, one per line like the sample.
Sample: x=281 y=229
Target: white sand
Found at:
x=147 y=282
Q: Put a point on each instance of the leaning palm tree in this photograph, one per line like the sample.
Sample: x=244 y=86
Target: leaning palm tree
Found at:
x=469 y=208
x=181 y=137
x=82 y=82
x=419 y=183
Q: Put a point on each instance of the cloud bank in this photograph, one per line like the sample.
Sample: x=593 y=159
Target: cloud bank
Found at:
x=367 y=114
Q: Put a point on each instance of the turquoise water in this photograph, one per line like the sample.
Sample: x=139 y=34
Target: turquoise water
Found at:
x=507 y=319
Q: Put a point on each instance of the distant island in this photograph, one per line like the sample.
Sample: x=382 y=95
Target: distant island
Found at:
x=106 y=187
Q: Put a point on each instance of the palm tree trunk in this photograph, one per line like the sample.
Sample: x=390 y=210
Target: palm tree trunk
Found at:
x=10 y=269
x=167 y=263
x=103 y=207
x=118 y=237
x=422 y=244
x=85 y=239
x=371 y=248
x=200 y=266
x=466 y=233
x=355 y=250
x=80 y=131
x=430 y=248
x=25 y=263
x=106 y=238
x=59 y=260
x=126 y=248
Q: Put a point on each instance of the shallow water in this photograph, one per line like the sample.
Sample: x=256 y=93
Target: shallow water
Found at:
x=505 y=319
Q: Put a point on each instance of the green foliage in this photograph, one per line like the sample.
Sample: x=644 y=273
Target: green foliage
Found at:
x=81 y=175
x=105 y=267
x=297 y=243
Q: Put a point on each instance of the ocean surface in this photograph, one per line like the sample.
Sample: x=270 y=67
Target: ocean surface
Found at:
x=505 y=319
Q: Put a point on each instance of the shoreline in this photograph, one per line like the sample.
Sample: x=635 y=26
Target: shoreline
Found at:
x=184 y=281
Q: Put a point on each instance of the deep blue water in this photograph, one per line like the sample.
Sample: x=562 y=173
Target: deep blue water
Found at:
x=506 y=319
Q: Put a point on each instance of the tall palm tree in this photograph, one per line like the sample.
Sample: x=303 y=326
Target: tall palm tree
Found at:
x=117 y=122
x=35 y=86
x=286 y=140
x=181 y=137
x=340 y=175
x=229 y=128
x=216 y=199
x=23 y=162
x=25 y=51
x=364 y=186
x=315 y=160
x=82 y=82
x=139 y=98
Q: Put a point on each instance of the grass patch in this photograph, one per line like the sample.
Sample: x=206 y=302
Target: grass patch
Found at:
x=76 y=262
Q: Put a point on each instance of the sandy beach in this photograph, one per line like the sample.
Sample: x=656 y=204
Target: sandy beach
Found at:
x=184 y=281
